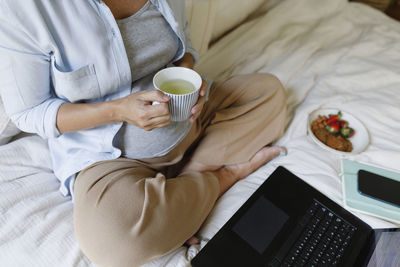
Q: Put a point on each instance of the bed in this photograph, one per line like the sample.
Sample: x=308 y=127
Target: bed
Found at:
x=327 y=53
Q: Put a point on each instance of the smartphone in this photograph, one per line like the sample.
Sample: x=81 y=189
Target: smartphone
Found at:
x=379 y=187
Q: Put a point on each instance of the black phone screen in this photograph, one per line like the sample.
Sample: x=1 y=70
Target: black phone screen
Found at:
x=379 y=187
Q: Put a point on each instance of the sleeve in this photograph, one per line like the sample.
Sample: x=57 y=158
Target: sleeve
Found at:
x=25 y=83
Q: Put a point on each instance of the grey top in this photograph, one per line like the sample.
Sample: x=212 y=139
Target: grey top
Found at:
x=150 y=44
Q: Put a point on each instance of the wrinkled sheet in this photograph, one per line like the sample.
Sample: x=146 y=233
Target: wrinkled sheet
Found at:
x=327 y=53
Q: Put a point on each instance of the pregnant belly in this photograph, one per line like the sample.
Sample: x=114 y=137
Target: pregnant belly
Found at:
x=136 y=143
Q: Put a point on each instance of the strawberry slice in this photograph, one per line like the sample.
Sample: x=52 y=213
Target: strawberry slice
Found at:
x=344 y=124
x=333 y=127
x=334 y=117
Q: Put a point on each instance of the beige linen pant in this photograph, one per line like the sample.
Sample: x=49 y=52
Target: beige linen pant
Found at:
x=127 y=212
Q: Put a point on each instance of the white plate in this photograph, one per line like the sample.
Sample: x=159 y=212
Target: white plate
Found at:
x=360 y=139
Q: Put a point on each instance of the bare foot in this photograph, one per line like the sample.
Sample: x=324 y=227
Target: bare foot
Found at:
x=242 y=170
x=268 y=153
x=230 y=174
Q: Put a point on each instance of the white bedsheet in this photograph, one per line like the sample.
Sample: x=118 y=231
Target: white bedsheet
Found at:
x=327 y=53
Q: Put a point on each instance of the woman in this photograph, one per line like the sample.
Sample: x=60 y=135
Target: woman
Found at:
x=79 y=73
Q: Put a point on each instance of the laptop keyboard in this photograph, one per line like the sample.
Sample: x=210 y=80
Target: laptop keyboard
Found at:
x=322 y=239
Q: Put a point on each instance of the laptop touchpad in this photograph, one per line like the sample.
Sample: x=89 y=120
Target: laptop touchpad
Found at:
x=260 y=224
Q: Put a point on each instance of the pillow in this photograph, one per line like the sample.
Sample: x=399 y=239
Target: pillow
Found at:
x=201 y=16
x=231 y=13
x=7 y=127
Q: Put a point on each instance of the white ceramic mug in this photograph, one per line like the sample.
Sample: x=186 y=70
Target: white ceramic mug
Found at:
x=179 y=105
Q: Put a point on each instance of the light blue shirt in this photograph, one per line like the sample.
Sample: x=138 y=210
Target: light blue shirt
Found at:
x=53 y=52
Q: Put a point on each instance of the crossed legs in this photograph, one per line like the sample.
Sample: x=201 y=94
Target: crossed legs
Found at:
x=127 y=212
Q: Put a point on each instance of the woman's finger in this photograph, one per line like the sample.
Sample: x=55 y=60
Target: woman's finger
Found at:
x=196 y=110
x=153 y=95
x=199 y=105
x=158 y=122
x=153 y=111
x=203 y=88
x=147 y=122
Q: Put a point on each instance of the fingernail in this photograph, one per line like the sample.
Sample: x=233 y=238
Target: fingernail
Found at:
x=282 y=153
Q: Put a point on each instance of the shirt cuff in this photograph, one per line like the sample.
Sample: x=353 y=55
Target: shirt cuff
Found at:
x=51 y=117
x=41 y=119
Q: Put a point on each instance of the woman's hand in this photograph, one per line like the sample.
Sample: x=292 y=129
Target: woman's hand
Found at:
x=137 y=109
x=198 y=107
x=186 y=61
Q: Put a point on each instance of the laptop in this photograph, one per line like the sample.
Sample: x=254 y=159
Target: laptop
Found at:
x=287 y=222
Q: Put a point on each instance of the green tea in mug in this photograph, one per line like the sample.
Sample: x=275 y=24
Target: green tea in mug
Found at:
x=177 y=87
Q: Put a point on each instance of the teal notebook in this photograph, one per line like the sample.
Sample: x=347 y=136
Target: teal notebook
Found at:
x=357 y=201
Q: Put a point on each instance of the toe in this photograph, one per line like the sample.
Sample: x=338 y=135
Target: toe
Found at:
x=192 y=241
